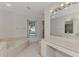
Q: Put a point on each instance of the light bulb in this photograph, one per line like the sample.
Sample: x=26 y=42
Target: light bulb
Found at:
x=62 y=5
x=7 y=4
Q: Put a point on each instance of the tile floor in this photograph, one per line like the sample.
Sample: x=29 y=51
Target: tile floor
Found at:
x=31 y=51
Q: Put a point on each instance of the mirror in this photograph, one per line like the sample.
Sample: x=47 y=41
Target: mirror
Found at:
x=31 y=28
x=65 y=26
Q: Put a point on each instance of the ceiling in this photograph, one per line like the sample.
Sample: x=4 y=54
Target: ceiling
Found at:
x=36 y=8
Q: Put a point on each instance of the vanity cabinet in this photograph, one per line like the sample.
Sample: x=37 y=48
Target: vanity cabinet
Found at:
x=61 y=54
x=53 y=52
x=59 y=47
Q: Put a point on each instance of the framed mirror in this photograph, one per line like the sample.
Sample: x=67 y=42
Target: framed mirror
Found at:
x=31 y=28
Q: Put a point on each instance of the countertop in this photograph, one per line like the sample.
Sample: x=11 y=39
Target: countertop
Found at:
x=70 y=44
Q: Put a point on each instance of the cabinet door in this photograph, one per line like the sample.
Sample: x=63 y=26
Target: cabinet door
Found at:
x=61 y=54
x=51 y=52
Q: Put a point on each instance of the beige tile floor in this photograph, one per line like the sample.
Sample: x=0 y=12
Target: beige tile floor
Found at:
x=31 y=51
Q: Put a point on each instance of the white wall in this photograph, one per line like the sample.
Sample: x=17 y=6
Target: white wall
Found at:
x=15 y=25
x=39 y=29
x=6 y=24
x=20 y=24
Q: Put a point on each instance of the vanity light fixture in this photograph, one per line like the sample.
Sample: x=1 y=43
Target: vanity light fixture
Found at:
x=68 y=19
x=8 y=4
x=67 y=2
x=62 y=5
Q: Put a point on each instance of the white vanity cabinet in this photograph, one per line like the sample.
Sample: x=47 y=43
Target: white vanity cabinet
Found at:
x=61 y=54
x=60 y=47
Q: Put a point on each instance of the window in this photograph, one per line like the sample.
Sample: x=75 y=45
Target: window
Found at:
x=69 y=26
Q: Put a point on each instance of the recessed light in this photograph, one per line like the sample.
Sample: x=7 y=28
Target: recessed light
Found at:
x=8 y=4
x=28 y=7
x=62 y=4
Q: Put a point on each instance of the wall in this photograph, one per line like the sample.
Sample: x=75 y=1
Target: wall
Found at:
x=47 y=20
x=6 y=24
x=20 y=24
x=39 y=29
x=15 y=25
